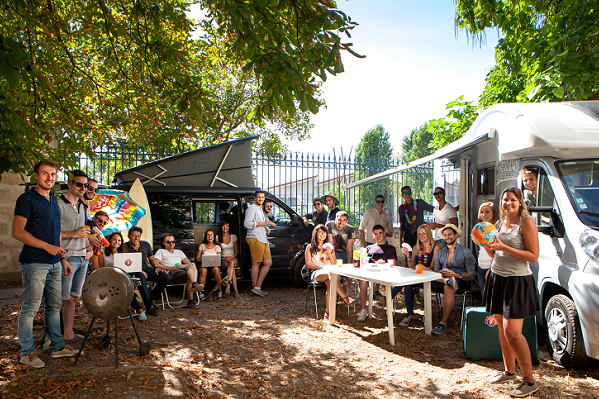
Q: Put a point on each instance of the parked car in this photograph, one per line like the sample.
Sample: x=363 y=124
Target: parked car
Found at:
x=194 y=191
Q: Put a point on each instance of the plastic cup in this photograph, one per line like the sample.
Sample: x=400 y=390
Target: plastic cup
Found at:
x=419 y=268
x=339 y=262
x=86 y=229
x=390 y=262
x=228 y=257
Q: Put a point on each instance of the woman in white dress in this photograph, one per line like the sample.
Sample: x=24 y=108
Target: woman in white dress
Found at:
x=230 y=248
x=319 y=253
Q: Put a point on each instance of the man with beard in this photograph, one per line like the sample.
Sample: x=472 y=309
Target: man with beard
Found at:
x=257 y=225
x=457 y=265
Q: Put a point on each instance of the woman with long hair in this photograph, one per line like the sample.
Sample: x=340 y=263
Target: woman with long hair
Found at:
x=423 y=254
x=107 y=259
x=486 y=213
x=319 y=253
x=209 y=246
x=230 y=248
x=510 y=293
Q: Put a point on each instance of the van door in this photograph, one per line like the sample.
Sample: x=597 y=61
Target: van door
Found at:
x=287 y=238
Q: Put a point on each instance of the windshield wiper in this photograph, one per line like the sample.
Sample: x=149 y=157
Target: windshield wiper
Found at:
x=589 y=213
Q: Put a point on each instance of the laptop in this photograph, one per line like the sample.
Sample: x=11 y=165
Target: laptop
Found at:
x=210 y=260
x=129 y=263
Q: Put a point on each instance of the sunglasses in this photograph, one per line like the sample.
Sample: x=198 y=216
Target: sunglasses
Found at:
x=102 y=222
x=81 y=185
x=438 y=193
x=268 y=206
x=93 y=189
x=380 y=201
x=317 y=204
x=170 y=242
x=406 y=193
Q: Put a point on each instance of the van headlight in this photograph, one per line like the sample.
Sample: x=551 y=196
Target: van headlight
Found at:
x=589 y=241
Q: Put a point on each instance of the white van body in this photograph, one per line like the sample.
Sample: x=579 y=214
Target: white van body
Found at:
x=561 y=142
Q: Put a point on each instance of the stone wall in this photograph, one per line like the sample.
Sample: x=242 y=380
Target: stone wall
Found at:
x=9 y=257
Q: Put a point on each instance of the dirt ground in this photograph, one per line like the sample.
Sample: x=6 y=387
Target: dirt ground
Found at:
x=252 y=347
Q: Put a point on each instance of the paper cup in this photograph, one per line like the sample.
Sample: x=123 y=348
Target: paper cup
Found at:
x=339 y=262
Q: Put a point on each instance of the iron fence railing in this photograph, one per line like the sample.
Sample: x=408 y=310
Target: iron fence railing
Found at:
x=295 y=177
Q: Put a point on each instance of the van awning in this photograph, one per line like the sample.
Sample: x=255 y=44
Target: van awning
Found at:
x=460 y=145
x=228 y=164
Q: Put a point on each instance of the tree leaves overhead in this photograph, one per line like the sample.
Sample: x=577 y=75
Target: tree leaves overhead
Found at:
x=78 y=74
x=550 y=49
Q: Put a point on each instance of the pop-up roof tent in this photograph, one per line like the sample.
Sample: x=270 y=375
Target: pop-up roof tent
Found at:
x=227 y=166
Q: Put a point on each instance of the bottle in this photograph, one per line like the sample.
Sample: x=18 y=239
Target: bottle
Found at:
x=357 y=252
x=364 y=257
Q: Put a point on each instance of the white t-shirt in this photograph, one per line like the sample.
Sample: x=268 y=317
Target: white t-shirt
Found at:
x=442 y=216
x=207 y=251
x=170 y=259
x=484 y=260
x=229 y=249
x=108 y=260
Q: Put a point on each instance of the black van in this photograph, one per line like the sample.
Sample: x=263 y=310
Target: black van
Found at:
x=195 y=191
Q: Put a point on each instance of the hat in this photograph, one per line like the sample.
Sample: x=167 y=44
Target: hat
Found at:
x=452 y=226
x=330 y=194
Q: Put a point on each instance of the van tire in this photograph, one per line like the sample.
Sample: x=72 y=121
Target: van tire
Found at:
x=563 y=333
x=301 y=273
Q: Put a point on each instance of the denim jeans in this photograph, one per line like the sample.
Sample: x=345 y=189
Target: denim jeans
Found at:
x=40 y=280
x=73 y=283
x=482 y=280
x=408 y=296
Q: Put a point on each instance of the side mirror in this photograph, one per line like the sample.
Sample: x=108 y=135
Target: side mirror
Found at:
x=296 y=220
x=556 y=225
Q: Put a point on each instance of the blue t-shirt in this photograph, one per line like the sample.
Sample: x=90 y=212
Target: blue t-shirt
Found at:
x=43 y=222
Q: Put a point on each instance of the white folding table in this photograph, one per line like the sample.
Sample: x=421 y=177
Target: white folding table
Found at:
x=389 y=277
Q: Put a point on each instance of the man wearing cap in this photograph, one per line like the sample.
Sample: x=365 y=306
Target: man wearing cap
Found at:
x=332 y=204
x=444 y=213
x=457 y=266
x=411 y=216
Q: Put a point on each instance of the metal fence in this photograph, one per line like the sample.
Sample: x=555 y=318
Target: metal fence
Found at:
x=295 y=177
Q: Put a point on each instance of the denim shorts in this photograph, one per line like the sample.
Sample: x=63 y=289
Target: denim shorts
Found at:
x=72 y=284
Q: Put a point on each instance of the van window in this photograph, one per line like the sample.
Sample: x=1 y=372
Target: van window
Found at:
x=204 y=212
x=170 y=211
x=581 y=181
x=485 y=181
x=545 y=197
x=280 y=216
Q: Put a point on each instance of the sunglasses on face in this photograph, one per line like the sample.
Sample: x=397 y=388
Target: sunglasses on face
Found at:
x=406 y=193
x=268 y=206
x=81 y=185
x=317 y=204
x=438 y=193
x=170 y=242
x=102 y=222
x=93 y=189
x=380 y=201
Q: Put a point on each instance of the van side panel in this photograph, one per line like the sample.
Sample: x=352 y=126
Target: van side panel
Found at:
x=584 y=289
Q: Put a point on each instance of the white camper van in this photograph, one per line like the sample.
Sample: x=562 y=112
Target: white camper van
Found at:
x=559 y=142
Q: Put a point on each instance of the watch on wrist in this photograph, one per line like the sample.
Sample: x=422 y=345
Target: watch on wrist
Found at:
x=460 y=276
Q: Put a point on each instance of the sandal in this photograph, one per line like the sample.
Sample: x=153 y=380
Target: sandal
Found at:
x=326 y=316
x=348 y=301
x=236 y=295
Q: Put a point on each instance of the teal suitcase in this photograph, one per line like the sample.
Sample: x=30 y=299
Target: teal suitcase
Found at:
x=481 y=335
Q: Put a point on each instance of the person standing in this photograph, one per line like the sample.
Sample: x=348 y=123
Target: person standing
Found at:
x=443 y=214
x=411 y=215
x=257 y=224
x=333 y=205
x=510 y=293
x=92 y=190
x=41 y=262
x=373 y=217
x=341 y=235
x=318 y=216
x=73 y=216
x=486 y=213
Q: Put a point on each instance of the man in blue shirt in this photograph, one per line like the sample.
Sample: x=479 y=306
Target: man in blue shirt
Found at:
x=41 y=262
x=257 y=226
x=457 y=265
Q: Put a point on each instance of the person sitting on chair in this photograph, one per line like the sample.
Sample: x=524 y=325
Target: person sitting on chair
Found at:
x=179 y=267
x=457 y=266
x=318 y=254
x=230 y=247
x=209 y=247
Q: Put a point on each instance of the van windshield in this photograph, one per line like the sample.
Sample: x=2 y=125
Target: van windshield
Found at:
x=581 y=179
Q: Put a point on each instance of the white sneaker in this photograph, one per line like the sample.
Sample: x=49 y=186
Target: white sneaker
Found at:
x=362 y=315
x=452 y=282
x=259 y=292
x=32 y=360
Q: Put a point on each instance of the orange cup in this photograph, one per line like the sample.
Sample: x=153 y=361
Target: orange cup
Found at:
x=419 y=268
x=86 y=228
x=228 y=257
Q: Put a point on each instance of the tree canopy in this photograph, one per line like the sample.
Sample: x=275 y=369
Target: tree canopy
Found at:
x=418 y=144
x=75 y=74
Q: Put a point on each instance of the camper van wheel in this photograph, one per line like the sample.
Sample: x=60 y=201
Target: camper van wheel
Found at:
x=301 y=273
x=564 y=336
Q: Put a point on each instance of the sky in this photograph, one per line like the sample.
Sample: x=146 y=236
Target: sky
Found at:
x=414 y=66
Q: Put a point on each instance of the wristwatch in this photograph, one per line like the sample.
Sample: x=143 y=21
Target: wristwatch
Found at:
x=459 y=276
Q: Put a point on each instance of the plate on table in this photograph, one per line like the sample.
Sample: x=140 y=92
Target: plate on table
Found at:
x=374 y=268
